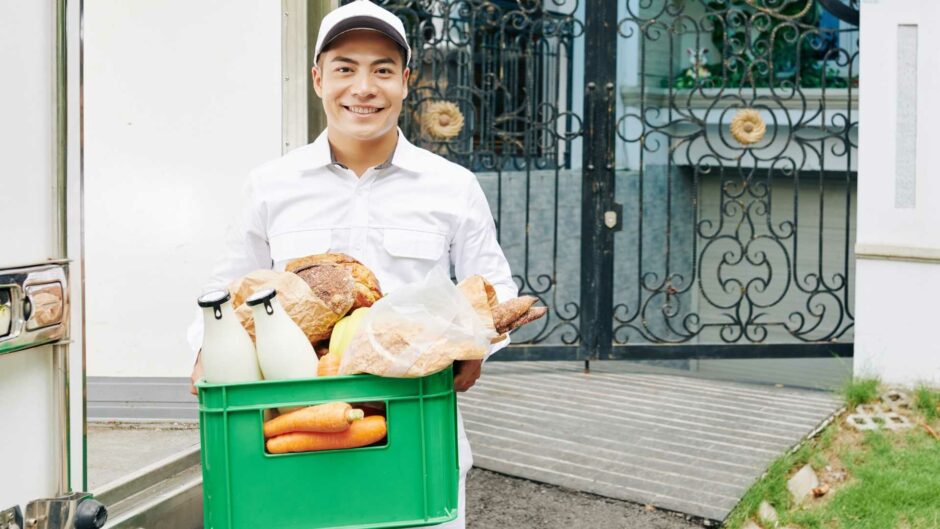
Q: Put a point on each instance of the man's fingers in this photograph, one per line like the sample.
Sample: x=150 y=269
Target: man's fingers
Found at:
x=196 y=375
x=466 y=374
x=463 y=383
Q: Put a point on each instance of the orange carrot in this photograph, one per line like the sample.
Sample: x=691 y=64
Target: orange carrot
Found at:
x=361 y=433
x=323 y=418
x=329 y=365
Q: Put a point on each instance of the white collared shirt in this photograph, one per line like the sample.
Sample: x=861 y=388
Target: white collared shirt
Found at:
x=401 y=219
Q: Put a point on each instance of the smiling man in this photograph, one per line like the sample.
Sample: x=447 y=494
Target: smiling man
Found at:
x=362 y=189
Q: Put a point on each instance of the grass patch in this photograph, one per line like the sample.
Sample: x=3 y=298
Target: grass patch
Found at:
x=897 y=479
x=859 y=391
x=927 y=402
x=880 y=479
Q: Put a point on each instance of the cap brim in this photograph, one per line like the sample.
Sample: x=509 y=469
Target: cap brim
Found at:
x=363 y=22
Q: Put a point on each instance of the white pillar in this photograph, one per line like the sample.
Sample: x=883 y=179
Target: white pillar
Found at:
x=898 y=239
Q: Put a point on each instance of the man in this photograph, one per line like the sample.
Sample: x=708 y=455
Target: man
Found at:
x=362 y=189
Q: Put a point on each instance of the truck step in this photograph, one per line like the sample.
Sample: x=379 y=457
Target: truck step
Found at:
x=164 y=495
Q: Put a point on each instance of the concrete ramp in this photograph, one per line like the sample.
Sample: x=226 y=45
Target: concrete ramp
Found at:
x=683 y=444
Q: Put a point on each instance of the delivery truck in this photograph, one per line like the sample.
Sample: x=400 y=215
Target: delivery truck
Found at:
x=41 y=355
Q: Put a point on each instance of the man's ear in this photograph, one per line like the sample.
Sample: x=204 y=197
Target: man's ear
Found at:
x=317 y=81
x=404 y=80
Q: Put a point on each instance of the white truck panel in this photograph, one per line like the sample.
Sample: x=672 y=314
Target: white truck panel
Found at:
x=28 y=448
x=27 y=141
x=29 y=388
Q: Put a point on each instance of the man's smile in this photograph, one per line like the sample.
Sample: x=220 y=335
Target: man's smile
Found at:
x=362 y=110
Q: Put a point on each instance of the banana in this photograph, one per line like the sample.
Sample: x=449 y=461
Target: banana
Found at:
x=345 y=329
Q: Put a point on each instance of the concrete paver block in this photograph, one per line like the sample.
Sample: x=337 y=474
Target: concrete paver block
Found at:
x=895 y=421
x=872 y=409
x=767 y=514
x=802 y=483
x=861 y=421
x=896 y=400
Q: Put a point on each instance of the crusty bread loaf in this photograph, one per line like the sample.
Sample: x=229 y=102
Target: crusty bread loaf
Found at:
x=366 y=287
x=333 y=284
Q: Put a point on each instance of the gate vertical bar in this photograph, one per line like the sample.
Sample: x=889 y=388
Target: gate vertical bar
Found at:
x=597 y=250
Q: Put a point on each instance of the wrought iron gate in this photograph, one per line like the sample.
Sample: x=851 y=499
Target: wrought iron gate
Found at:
x=673 y=178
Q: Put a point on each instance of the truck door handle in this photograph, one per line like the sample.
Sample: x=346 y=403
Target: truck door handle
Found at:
x=34 y=306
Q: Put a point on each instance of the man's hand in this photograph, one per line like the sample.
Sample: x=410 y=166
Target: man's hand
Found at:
x=466 y=373
x=197 y=374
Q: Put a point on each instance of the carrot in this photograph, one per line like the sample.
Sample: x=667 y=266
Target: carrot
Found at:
x=329 y=365
x=323 y=418
x=361 y=433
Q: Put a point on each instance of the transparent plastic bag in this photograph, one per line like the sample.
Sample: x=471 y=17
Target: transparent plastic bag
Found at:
x=419 y=329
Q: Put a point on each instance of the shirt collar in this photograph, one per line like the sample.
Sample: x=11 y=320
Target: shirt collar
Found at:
x=404 y=155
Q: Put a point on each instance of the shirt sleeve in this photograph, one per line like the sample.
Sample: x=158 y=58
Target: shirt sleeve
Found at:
x=246 y=250
x=475 y=250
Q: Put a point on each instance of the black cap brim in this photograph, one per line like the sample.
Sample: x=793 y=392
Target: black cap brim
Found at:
x=362 y=22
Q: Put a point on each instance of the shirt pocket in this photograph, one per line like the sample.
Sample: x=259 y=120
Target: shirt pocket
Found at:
x=296 y=244
x=413 y=244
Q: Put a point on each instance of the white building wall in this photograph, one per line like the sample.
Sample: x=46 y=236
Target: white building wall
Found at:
x=181 y=100
x=898 y=241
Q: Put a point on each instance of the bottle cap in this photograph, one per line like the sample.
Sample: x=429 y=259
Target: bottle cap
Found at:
x=260 y=297
x=213 y=298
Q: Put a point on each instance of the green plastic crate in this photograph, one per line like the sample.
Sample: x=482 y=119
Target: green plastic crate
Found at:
x=410 y=481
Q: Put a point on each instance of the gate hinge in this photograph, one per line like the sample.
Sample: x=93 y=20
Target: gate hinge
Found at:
x=613 y=217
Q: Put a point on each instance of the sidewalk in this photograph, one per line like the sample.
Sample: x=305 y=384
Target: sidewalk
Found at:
x=117 y=449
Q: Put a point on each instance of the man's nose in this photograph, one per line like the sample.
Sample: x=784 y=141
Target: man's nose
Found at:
x=364 y=86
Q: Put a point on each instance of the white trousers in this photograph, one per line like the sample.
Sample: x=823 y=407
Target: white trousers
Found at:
x=465 y=459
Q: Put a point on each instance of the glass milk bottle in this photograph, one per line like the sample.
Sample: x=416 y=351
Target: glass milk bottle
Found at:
x=283 y=349
x=227 y=352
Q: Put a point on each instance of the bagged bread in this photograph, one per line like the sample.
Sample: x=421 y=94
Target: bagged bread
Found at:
x=502 y=318
x=419 y=329
x=482 y=297
x=313 y=315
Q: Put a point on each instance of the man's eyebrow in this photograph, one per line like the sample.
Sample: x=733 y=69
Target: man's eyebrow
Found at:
x=384 y=60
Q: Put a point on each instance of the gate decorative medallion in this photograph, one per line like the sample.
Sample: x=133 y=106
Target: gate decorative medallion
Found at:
x=673 y=178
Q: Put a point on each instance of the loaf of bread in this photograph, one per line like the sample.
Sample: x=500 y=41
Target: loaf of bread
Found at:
x=310 y=312
x=332 y=284
x=365 y=286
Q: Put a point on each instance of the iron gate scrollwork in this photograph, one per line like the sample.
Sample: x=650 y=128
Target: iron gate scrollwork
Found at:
x=674 y=179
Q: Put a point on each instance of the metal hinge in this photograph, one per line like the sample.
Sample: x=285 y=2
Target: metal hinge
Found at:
x=74 y=511
x=11 y=518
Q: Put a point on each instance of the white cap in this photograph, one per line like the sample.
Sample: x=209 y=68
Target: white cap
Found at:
x=361 y=14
